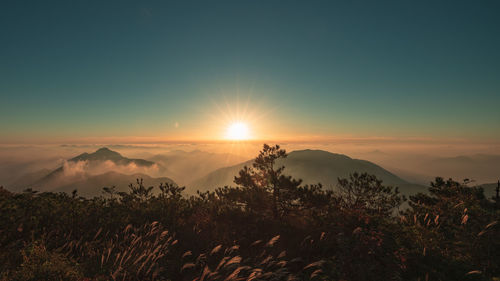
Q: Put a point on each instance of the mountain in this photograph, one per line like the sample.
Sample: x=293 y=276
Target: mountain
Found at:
x=312 y=166
x=92 y=185
x=185 y=166
x=105 y=154
x=90 y=172
x=102 y=160
x=483 y=168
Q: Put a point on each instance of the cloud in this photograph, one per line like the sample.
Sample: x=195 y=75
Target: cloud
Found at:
x=74 y=169
x=85 y=168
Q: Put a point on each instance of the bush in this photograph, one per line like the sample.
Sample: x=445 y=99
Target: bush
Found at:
x=41 y=264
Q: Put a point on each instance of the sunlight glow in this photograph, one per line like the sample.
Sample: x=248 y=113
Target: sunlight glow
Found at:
x=237 y=131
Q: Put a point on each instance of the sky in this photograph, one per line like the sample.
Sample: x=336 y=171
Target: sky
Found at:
x=125 y=71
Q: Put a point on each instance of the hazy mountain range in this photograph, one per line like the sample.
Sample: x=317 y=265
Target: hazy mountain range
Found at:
x=482 y=168
x=200 y=170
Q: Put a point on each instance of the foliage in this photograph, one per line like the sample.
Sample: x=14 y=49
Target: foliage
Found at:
x=268 y=227
x=41 y=264
x=264 y=176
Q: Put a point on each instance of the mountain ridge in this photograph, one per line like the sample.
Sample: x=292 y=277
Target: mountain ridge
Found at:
x=312 y=166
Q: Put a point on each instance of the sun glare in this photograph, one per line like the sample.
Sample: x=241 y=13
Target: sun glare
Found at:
x=237 y=131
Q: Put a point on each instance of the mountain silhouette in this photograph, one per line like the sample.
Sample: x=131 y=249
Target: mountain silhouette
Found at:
x=312 y=166
x=105 y=154
x=90 y=172
x=99 y=156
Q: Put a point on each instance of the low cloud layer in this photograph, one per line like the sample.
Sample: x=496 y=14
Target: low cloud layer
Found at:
x=82 y=168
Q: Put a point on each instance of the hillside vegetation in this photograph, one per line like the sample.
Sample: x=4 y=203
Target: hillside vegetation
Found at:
x=271 y=226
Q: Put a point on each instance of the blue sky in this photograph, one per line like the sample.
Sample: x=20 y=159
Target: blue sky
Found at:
x=79 y=69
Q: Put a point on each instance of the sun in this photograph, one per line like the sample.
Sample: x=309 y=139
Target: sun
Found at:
x=237 y=131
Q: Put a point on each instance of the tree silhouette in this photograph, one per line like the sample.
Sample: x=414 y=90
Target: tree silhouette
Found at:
x=264 y=175
x=366 y=192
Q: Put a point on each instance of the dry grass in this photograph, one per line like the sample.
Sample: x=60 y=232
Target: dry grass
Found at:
x=231 y=265
x=134 y=254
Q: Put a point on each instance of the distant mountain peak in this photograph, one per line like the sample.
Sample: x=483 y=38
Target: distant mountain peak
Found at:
x=103 y=149
x=101 y=154
x=106 y=154
x=107 y=151
x=53 y=179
